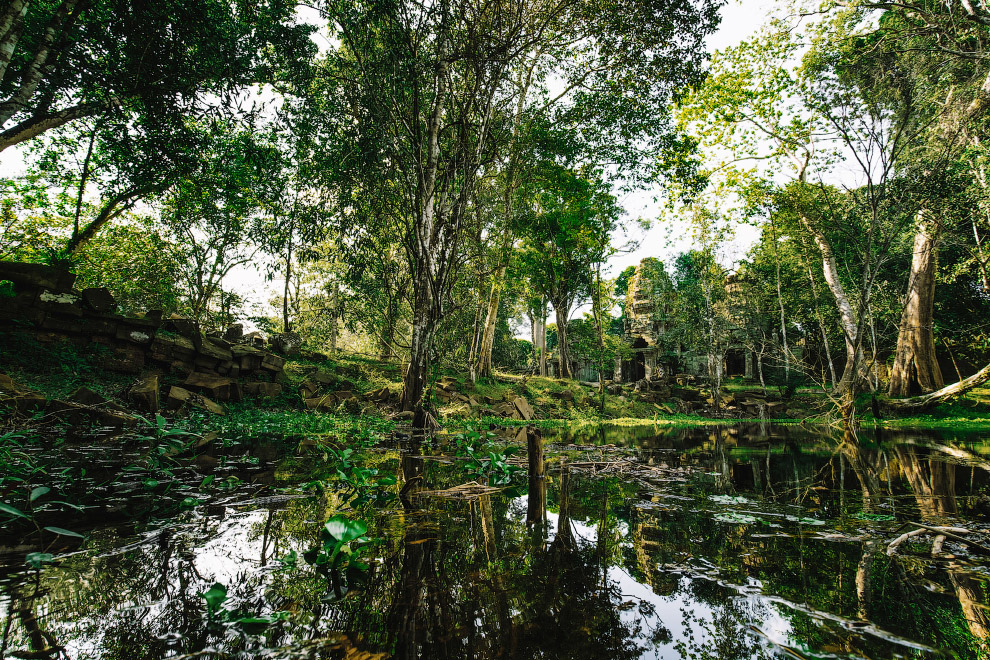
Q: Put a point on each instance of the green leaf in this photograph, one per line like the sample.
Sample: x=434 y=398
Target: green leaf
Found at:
x=344 y=530
x=9 y=510
x=64 y=532
x=68 y=504
x=38 y=559
x=39 y=492
x=215 y=596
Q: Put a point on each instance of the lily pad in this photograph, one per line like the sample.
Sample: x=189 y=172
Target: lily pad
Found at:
x=874 y=517
x=729 y=499
x=735 y=518
x=805 y=521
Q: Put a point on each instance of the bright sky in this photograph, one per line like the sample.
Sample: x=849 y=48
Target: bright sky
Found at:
x=740 y=19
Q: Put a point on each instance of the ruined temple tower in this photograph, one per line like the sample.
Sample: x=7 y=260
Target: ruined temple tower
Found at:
x=643 y=327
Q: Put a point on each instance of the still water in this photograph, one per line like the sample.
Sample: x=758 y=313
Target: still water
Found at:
x=640 y=542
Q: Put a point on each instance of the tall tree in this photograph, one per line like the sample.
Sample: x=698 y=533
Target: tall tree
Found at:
x=69 y=59
x=566 y=234
x=421 y=100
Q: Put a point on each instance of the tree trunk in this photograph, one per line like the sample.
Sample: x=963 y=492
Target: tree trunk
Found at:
x=523 y=82
x=847 y=317
x=11 y=23
x=759 y=370
x=423 y=329
x=597 y=313
x=532 y=335
x=114 y=207
x=536 y=510
x=33 y=74
x=981 y=260
x=286 y=325
x=821 y=325
x=916 y=369
x=334 y=317
x=780 y=304
x=488 y=336
x=852 y=376
x=563 y=353
x=387 y=336
x=540 y=337
x=473 y=352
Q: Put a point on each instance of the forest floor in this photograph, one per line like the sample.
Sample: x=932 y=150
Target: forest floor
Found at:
x=356 y=391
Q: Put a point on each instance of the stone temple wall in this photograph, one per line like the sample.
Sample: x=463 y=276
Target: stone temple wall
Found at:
x=46 y=306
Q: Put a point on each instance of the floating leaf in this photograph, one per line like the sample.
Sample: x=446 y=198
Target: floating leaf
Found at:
x=253 y=625
x=64 y=532
x=38 y=559
x=40 y=491
x=735 y=518
x=876 y=517
x=729 y=499
x=214 y=596
x=344 y=530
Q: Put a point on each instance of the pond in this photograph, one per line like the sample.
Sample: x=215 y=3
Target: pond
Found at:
x=636 y=542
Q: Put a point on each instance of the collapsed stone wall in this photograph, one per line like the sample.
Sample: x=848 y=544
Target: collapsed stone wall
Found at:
x=46 y=306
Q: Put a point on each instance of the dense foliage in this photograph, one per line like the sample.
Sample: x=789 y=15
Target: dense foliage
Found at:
x=422 y=182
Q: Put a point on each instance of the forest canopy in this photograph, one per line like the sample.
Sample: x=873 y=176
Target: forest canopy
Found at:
x=421 y=181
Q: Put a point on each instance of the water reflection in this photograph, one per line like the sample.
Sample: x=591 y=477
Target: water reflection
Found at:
x=770 y=543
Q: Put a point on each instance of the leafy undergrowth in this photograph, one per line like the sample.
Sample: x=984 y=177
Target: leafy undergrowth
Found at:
x=247 y=424
x=56 y=369
x=364 y=373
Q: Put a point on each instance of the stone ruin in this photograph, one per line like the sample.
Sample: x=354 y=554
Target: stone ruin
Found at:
x=214 y=369
x=642 y=332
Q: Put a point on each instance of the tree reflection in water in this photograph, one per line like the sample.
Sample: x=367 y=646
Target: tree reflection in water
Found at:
x=769 y=543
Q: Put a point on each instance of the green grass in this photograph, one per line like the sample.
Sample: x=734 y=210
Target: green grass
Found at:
x=58 y=368
x=970 y=412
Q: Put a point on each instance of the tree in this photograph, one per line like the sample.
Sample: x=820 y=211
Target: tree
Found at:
x=565 y=230
x=847 y=102
x=943 y=77
x=418 y=101
x=137 y=263
x=157 y=61
x=214 y=214
x=701 y=317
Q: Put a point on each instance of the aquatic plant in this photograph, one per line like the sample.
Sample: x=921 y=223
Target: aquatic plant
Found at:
x=340 y=556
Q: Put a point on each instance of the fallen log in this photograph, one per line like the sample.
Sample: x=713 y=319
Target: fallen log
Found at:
x=917 y=403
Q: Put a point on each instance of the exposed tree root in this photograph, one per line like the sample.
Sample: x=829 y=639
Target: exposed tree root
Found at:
x=918 y=403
